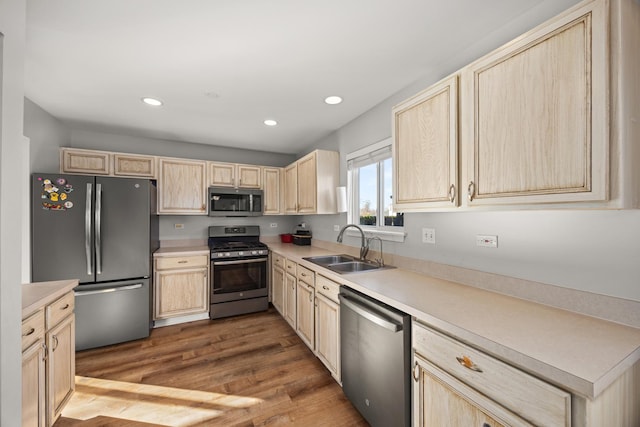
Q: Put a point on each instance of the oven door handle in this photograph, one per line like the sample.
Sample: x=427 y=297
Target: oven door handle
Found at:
x=240 y=261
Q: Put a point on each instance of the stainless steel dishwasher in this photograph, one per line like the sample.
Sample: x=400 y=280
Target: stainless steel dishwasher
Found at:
x=375 y=344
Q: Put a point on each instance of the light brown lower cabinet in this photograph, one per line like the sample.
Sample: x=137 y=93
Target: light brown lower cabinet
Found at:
x=290 y=299
x=48 y=362
x=181 y=285
x=61 y=367
x=277 y=289
x=442 y=400
x=305 y=314
x=328 y=334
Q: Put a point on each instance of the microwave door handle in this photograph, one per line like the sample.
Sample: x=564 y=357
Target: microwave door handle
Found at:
x=250 y=202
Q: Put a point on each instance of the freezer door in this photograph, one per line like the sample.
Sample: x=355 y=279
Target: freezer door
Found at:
x=122 y=217
x=110 y=313
x=61 y=227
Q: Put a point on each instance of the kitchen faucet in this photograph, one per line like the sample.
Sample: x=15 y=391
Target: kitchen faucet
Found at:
x=379 y=261
x=363 y=246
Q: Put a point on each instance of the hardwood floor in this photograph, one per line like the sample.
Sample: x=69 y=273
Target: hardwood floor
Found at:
x=250 y=370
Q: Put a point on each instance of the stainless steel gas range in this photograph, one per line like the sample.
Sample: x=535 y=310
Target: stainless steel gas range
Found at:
x=239 y=263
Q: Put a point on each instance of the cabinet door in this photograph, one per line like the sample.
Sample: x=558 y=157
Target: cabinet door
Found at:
x=60 y=366
x=33 y=385
x=441 y=400
x=290 y=300
x=537 y=115
x=277 y=289
x=87 y=162
x=328 y=334
x=249 y=176
x=180 y=292
x=291 y=189
x=305 y=313
x=134 y=165
x=182 y=187
x=271 y=185
x=425 y=145
x=222 y=174
x=307 y=185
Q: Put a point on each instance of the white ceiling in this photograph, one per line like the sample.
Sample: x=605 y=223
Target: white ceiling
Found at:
x=89 y=62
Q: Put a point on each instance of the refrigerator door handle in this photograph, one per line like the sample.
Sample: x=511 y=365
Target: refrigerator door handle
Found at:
x=87 y=230
x=105 y=291
x=98 y=242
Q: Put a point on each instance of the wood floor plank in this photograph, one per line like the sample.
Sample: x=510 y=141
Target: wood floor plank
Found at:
x=250 y=370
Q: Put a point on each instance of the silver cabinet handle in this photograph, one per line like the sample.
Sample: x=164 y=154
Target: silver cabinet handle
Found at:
x=98 y=241
x=55 y=346
x=416 y=371
x=87 y=230
x=375 y=318
x=471 y=189
x=452 y=193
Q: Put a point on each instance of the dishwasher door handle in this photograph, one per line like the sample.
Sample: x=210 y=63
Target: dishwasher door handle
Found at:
x=374 y=317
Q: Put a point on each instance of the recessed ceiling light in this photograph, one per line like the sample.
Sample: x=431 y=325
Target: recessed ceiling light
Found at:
x=333 y=100
x=270 y=122
x=152 y=101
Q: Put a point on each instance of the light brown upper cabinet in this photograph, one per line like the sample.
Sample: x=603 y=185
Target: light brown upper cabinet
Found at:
x=234 y=175
x=536 y=114
x=182 y=187
x=89 y=162
x=132 y=165
x=549 y=120
x=425 y=148
x=272 y=178
x=310 y=183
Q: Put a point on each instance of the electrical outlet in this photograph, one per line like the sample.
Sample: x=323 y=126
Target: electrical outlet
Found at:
x=178 y=226
x=274 y=225
x=336 y=228
x=429 y=235
x=487 y=241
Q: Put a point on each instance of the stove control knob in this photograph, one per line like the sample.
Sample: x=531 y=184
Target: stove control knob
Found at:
x=240 y=253
x=220 y=254
x=255 y=252
x=227 y=254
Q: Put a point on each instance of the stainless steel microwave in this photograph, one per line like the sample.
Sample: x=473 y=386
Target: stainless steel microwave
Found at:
x=235 y=201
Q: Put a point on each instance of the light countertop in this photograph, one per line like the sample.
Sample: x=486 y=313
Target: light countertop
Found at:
x=38 y=294
x=181 y=251
x=579 y=353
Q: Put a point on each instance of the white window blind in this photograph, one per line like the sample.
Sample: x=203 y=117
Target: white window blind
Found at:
x=369 y=158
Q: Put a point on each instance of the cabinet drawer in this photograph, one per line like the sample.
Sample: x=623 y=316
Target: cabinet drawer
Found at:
x=165 y=263
x=58 y=310
x=291 y=268
x=278 y=260
x=306 y=275
x=32 y=329
x=328 y=288
x=533 y=399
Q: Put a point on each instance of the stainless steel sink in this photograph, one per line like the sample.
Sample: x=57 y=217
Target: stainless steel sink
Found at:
x=325 y=260
x=343 y=264
x=353 y=267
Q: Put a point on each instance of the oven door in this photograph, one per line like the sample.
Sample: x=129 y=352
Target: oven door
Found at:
x=237 y=279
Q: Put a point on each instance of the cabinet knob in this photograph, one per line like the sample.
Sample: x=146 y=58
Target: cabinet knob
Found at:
x=468 y=363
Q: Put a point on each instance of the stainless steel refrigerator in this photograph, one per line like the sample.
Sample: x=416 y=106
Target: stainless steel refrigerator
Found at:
x=101 y=231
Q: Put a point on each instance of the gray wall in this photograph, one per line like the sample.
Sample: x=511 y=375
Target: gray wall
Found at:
x=591 y=250
x=48 y=134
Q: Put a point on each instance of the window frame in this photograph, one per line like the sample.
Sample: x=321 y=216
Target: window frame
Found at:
x=385 y=232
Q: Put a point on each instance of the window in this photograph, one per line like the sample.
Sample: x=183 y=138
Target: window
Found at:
x=370 y=185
